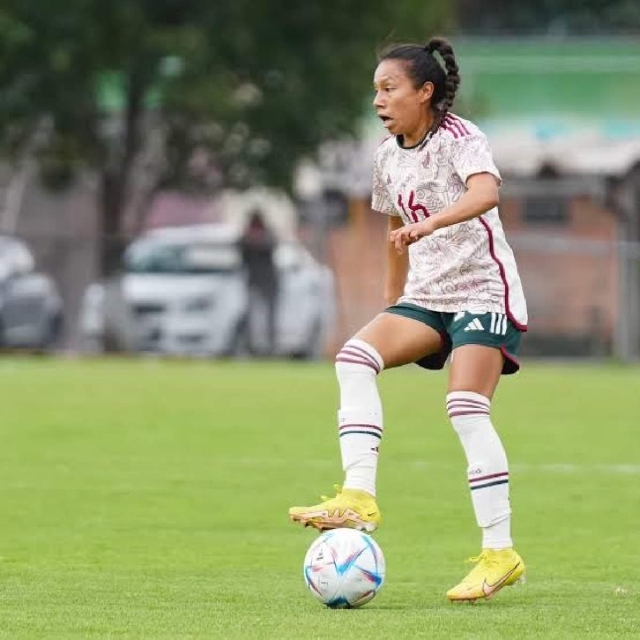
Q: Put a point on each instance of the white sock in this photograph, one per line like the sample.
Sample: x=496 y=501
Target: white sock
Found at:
x=360 y=414
x=488 y=470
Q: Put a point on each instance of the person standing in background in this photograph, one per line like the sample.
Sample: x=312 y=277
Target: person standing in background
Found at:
x=257 y=247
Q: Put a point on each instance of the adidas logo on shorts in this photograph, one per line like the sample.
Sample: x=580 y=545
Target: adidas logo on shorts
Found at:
x=474 y=325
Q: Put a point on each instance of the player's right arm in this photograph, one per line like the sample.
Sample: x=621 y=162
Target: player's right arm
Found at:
x=397 y=266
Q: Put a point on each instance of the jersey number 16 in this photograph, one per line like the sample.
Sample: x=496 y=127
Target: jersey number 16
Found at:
x=416 y=211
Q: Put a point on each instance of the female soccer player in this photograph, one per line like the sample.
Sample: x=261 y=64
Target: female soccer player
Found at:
x=452 y=287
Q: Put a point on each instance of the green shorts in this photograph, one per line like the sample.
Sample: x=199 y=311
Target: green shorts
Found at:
x=489 y=329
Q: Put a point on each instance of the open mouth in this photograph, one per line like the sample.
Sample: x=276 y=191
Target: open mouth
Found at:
x=386 y=120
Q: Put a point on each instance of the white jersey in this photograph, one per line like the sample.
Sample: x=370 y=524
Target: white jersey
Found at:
x=464 y=267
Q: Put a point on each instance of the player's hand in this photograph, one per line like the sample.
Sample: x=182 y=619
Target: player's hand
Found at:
x=410 y=233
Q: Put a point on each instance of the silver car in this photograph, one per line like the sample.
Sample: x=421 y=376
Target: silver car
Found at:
x=30 y=304
x=183 y=291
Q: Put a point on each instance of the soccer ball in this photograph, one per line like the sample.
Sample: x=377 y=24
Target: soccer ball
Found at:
x=344 y=568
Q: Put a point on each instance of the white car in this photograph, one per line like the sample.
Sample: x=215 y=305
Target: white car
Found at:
x=30 y=304
x=184 y=293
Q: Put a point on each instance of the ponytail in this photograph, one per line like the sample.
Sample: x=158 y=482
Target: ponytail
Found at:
x=442 y=103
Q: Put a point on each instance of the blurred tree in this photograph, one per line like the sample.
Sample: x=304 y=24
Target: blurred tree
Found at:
x=549 y=16
x=189 y=93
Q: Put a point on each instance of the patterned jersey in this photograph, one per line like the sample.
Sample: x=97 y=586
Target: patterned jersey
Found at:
x=464 y=267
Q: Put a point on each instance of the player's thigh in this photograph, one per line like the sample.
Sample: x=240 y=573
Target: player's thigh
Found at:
x=477 y=368
x=400 y=340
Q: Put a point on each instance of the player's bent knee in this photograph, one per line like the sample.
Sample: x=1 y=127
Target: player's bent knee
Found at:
x=465 y=408
x=357 y=355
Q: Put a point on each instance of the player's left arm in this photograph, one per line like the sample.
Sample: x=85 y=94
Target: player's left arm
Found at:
x=481 y=196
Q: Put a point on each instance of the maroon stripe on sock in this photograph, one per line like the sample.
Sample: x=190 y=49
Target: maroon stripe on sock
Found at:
x=462 y=407
x=489 y=477
x=468 y=403
x=356 y=432
x=353 y=354
x=453 y=414
x=375 y=427
x=470 y=400
x=352 y=361
x=495 y=483
x=467 y=406
x=357 y=351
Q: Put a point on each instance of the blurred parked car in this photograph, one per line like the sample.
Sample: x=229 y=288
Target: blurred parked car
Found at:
x=185 y=291
x=30 y=304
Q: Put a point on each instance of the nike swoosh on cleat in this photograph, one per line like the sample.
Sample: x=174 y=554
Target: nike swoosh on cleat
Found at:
x=490 y=589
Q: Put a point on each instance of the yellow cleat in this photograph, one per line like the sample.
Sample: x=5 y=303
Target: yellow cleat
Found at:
x=494 y=570
x=350 y=508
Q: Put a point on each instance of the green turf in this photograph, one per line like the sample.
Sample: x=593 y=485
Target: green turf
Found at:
x=148 y=500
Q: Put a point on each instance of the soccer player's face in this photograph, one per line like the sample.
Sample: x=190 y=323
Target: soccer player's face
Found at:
x=400 y=106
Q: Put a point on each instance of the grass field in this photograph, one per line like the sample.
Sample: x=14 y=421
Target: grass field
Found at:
x=148 y=500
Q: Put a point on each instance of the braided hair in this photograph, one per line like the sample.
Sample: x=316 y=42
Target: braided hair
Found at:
x=423 y=66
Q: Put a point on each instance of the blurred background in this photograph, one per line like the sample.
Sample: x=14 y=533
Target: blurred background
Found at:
x=170 y=168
